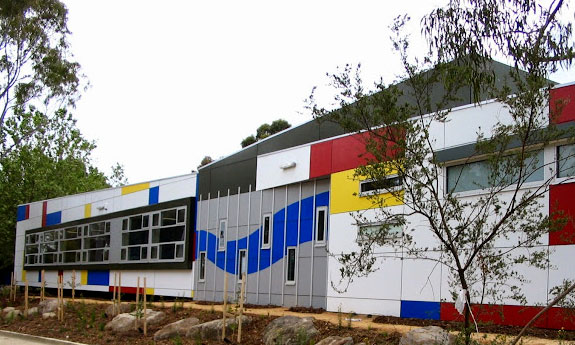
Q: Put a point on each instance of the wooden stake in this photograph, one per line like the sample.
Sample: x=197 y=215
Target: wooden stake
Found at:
x=138 y=311
x=12 y=286
x=225 y=307
x=73 y=285
x=145 y=309
x=59 y=298
x=114 y=294
x=43 y=286
x=242 y=292
x=119 y=290
x=26 y=299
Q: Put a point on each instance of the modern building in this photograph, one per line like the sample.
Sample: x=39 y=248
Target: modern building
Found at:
x=280 y=211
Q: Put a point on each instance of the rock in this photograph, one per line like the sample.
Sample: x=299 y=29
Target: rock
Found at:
x=178 y=328
x=127 y=321
x=335 y=340
x=8 y=309
x=427 y=335
x=289 y=330
x=33 y=311
x=48 y=315
x=48 y=306
x=213 y=329
x=124 y=308
x=12 y=314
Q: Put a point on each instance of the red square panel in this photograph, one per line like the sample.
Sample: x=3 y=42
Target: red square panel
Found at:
x=562 y=103
x=562 y=204
x=320 y=159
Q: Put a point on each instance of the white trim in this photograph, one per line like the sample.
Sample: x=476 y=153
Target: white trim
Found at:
x=321 y=243
x=291 y=282
x=271 y=227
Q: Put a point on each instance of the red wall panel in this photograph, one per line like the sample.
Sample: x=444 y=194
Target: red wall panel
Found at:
x=511 y=315
x=320 y=159
x=561 y=318
x=562 y=103
x=561 y=199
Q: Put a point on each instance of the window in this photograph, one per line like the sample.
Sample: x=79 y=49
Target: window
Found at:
x=379 y=233
x=144 y=237
x=266 y=230
x=222 y=234
x=242 y=265
x=291 y=265
x=566 y=160
x=202 y=270
x=477 y=175
x=389 y=184
x=320 y=225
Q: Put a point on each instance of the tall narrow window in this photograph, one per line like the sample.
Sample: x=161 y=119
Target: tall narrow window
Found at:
x=242 y=265
x=222 y=234
x=320 y=225
x=266 y=230
x=291 y=264
x=202 y=271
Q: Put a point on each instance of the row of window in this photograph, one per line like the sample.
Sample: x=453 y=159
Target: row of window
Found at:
x=267 y=229
x=242 y=265
x=151 y=236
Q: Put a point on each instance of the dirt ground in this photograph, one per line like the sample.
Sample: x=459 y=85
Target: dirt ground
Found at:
x=85 y=320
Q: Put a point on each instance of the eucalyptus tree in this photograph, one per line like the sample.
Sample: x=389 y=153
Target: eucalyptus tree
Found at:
x=462 y=37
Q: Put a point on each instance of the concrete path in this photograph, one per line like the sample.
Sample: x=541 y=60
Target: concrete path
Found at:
x=12 y=338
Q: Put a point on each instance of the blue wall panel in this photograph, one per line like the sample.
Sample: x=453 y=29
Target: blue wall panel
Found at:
x=54 y=218
x=421 y=310
x=21 y=213
x=99 y=278
x=154 y=195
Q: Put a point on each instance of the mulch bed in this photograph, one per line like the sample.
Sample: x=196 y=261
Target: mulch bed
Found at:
x=483 y=327
x=307 y=310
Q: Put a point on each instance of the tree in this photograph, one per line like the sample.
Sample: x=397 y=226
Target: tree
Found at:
x=265 y=130
x=35 y=64
x=462 y=38
x=205 y=161
x=53 y=161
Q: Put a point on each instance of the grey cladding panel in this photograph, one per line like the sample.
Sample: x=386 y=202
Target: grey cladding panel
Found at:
x=303 y=134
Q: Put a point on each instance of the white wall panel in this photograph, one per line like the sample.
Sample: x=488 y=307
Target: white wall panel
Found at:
x=177 y=189
x=269 y=171
x=463 y=124
x=387 y=279
x=132 y=200
x=170 y=279
x=72 y=201
x=54 y=205
x=562 y=267
x=71 y=214
x=421 y=279
x=364 y=306
x=36 y=209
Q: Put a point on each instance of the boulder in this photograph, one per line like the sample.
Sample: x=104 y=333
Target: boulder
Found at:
x=287 y=330
x=33 y=311
x=335 y=340
x=178 y=328
x=124 y=308
x=126 y=322
x=8 y=309
x=427 y=335
x=212 y=330
x=48 y=306
x=48 y=315
x=12 y=314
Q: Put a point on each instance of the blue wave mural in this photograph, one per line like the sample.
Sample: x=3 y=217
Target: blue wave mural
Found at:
x=208 y=242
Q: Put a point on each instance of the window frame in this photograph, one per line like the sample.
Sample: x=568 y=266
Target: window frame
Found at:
x=222 y=240
x=394 y=239
x=268 y=244
x=380 y=191
x=202 y=268
x=242 y=263
x=557 y=164
x=287 y=272
x=323 y=242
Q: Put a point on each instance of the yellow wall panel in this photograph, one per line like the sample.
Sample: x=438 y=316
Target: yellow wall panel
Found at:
x=87 y=210
x=84 y=277
x=345 y=194
x=135 y=188
x=23 y=275
x=149 y=291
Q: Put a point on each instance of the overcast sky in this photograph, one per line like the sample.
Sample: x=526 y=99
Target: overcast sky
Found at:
x=173 y=81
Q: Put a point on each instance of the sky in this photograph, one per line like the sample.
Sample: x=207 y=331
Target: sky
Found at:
x=173 y=81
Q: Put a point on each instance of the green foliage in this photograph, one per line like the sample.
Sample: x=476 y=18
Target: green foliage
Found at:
x=34 y=63
x=41 y=164
x=265 y=130
x=205 y=161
